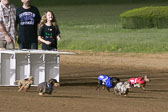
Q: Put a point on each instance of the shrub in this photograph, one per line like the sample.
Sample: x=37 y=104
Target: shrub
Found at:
x=146 y=17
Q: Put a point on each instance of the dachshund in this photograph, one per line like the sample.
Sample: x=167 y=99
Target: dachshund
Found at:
x=24 y=83
x=122 y=88
x=47 y=87
x=107 y=82
x=139 y=82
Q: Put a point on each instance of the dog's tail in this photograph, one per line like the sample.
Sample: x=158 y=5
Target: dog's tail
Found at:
x=16 y=82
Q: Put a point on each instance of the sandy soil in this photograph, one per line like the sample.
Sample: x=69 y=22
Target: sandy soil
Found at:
x=78 y=83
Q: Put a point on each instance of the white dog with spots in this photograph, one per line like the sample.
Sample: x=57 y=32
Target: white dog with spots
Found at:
x=122 y=88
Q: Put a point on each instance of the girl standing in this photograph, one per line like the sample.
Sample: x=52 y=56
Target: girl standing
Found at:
x=49 y=31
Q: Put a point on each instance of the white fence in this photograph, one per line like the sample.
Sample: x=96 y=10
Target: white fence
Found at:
x=20 y=64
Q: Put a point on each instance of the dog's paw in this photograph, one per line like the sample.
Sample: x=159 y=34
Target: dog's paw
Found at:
x=40 y=94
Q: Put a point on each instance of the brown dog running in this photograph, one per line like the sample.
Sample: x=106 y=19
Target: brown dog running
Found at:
x=24 y=83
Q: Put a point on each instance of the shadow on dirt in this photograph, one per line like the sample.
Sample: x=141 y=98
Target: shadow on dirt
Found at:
x=161 y=90
x=141 y=97
x=133 y=91
x=65 y=96
x=80 y=84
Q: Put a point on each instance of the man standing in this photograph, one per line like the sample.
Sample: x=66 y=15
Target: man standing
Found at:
x=28 y=18
x=7 y=25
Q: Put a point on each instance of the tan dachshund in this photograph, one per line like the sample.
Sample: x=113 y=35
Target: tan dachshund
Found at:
x=24 y=83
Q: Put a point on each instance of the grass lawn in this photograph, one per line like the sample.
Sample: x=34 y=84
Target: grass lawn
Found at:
x=98 y=28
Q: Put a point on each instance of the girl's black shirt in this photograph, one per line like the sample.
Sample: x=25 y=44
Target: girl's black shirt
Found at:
x=49 y=33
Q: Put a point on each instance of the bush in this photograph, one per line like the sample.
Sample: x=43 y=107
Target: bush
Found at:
x=146 y=17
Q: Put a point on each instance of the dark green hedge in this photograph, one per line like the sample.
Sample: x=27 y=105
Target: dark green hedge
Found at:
x=146 y=17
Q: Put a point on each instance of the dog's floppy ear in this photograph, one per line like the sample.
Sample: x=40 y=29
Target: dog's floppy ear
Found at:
x=55 y=81
x=52 y=81
x=31 y=77
x=146 y=78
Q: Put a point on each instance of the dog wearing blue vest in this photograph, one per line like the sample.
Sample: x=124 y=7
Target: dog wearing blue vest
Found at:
x=47 y=87
x=106 y=81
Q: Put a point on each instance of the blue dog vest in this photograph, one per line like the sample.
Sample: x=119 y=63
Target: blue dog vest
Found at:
x=106 y=80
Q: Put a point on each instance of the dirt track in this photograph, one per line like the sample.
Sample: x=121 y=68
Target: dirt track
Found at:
x=78 y=80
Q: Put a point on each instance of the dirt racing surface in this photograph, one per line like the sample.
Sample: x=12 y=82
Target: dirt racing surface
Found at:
x=78 y=77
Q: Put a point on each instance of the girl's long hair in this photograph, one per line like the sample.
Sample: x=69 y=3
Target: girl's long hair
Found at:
x=44 y=19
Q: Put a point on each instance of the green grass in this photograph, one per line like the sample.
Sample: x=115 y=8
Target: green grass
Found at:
x=97 y=27
x=85 y=2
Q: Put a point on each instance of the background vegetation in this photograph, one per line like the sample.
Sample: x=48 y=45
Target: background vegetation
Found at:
x=95 y=25
x=145 y=17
